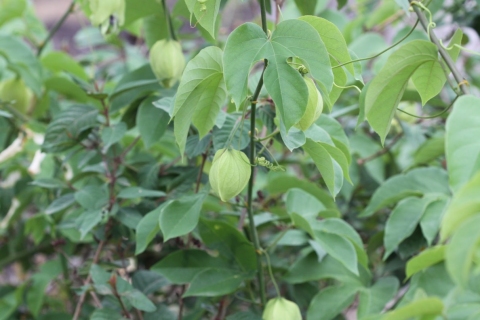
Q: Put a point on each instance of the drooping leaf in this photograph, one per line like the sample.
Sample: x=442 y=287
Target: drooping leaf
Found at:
x=205 y=15
x=339 y=248
x=461 y=143
x=200 y=95
x=146 y=229
x=432 y=218
x=386 y=89
x=291 y=38
x=180 y=216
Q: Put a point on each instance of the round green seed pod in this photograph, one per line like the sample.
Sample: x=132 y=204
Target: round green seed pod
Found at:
x=314 y=106
x=281 y=308
x=15 y=92
x=167 y=61
x=229 y=173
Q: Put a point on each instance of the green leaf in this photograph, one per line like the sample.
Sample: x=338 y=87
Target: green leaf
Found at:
x=465 y=204
x=333 y=39
x=200 y=95
x=331 y=162
x=138 y=192
x=425 y=259
x=331 y=301
x=414 y=183
x=386 y=89
x=59 y=61
x=291 y=38
x=148 y=281
x=429 y=80
x=462 y=250
x=180 y=216
x=60 y=203
x=182 y=266
x=214 y=283
x=206 y=18
x=66 y=129
x=88 y=220
x=67 y=88
x=40 y=280
x=92 y=197
x=230 y=243
x=461 y=143
x=48 y=183
x=432 y=218
x=374 y=299
x=403 y=220
x=12 y=9
x=139 y=301
x=339 y=248
x=421 y=307
x=306 y=6
x=303 y=203
x=113 y=134
x=152 y=122
x=429 y=150
x=239 y=138
x=146 y=229
x=137 y=9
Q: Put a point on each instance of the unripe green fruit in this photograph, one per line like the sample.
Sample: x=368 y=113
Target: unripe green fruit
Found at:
x=281 y=308
x=15 y=91
x=229 y=173
x=108 y=14
x=167 y=61
x=314 y=106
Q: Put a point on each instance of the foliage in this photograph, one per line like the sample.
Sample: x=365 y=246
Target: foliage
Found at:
x=123 y=174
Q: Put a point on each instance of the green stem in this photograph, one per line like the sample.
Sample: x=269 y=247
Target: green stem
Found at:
x=171 y=30
x=55 y=28
x=253 y=230
x=263 y=14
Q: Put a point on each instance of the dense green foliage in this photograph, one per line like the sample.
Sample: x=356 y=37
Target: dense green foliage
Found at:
x=172 y=166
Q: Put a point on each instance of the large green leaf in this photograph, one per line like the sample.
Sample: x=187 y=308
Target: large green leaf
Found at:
x=462 y=144
x=374 y=299
x=464 y=204
x=205 y=15
x=386 y=89
x=329 y=302
x=339 y=248
x=292 y=38
x=200 y=95
x=214 y=283
x=425 y=259
x=180 y=216
x=462 y=250
x=414 y=183
x=12 y=9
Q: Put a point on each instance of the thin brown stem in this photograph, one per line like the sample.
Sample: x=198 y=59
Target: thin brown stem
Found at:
x=380 y=152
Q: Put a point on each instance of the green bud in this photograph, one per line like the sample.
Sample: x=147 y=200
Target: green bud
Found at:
x=281 y=308
x=15 y=91
x=314 y=106
x=229 y=173
x=107 y=14
x=167 y=61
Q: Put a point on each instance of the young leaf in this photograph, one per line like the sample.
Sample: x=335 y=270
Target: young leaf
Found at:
x=462 y=145
x=386 y=89
x=292 y=38
x=180 y=216
x=200 y=95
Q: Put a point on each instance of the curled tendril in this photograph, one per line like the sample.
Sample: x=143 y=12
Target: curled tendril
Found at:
x=261 y=161
x=348 y=87
x=431 y=24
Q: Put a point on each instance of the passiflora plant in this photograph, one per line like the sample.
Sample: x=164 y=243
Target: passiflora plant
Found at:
x=291 y=164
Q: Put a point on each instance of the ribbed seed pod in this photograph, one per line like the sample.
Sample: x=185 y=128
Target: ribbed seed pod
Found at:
x=167 y=61
x=281 y=308
x=229 y=173
x=314 y=106
x=17 y=93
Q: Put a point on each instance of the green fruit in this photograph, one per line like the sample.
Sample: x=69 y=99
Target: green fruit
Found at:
x=229 y=173
x=107 y=14
x=281 y=308
x=167 y=61
x=314 y=106
x=15 y=92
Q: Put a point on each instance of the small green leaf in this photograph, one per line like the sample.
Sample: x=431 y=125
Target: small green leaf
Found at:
x=386 y=89
x=331 y=301
x=425 y=259
x=421 y=307
x=113 y=134
x=146 y=229
x=429 y=80
x=88 y=220
x=48 y=183
x=432 y=218
x=180 y=216
x=138 y=192
x=200 y=95
x=59 y=61
x=60 y=203
x=214 y=283
x=92 y=197
x=139 y=301
x=462 y=145
x=152 y=122
x=374 y=299
x=429 y=150
x=339 y=248
x=206 y=17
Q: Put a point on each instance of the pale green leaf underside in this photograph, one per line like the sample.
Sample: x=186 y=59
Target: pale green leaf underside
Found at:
x=248 y=44
x=429 y=80
x=200 y=95
x=386 y=89
x=207 y=19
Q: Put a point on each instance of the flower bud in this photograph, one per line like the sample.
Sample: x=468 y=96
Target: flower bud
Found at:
x=281 y=308
x=229 y=173
x=167 y=61
x=108 y=14
x=314 y=106
x=15 y=91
